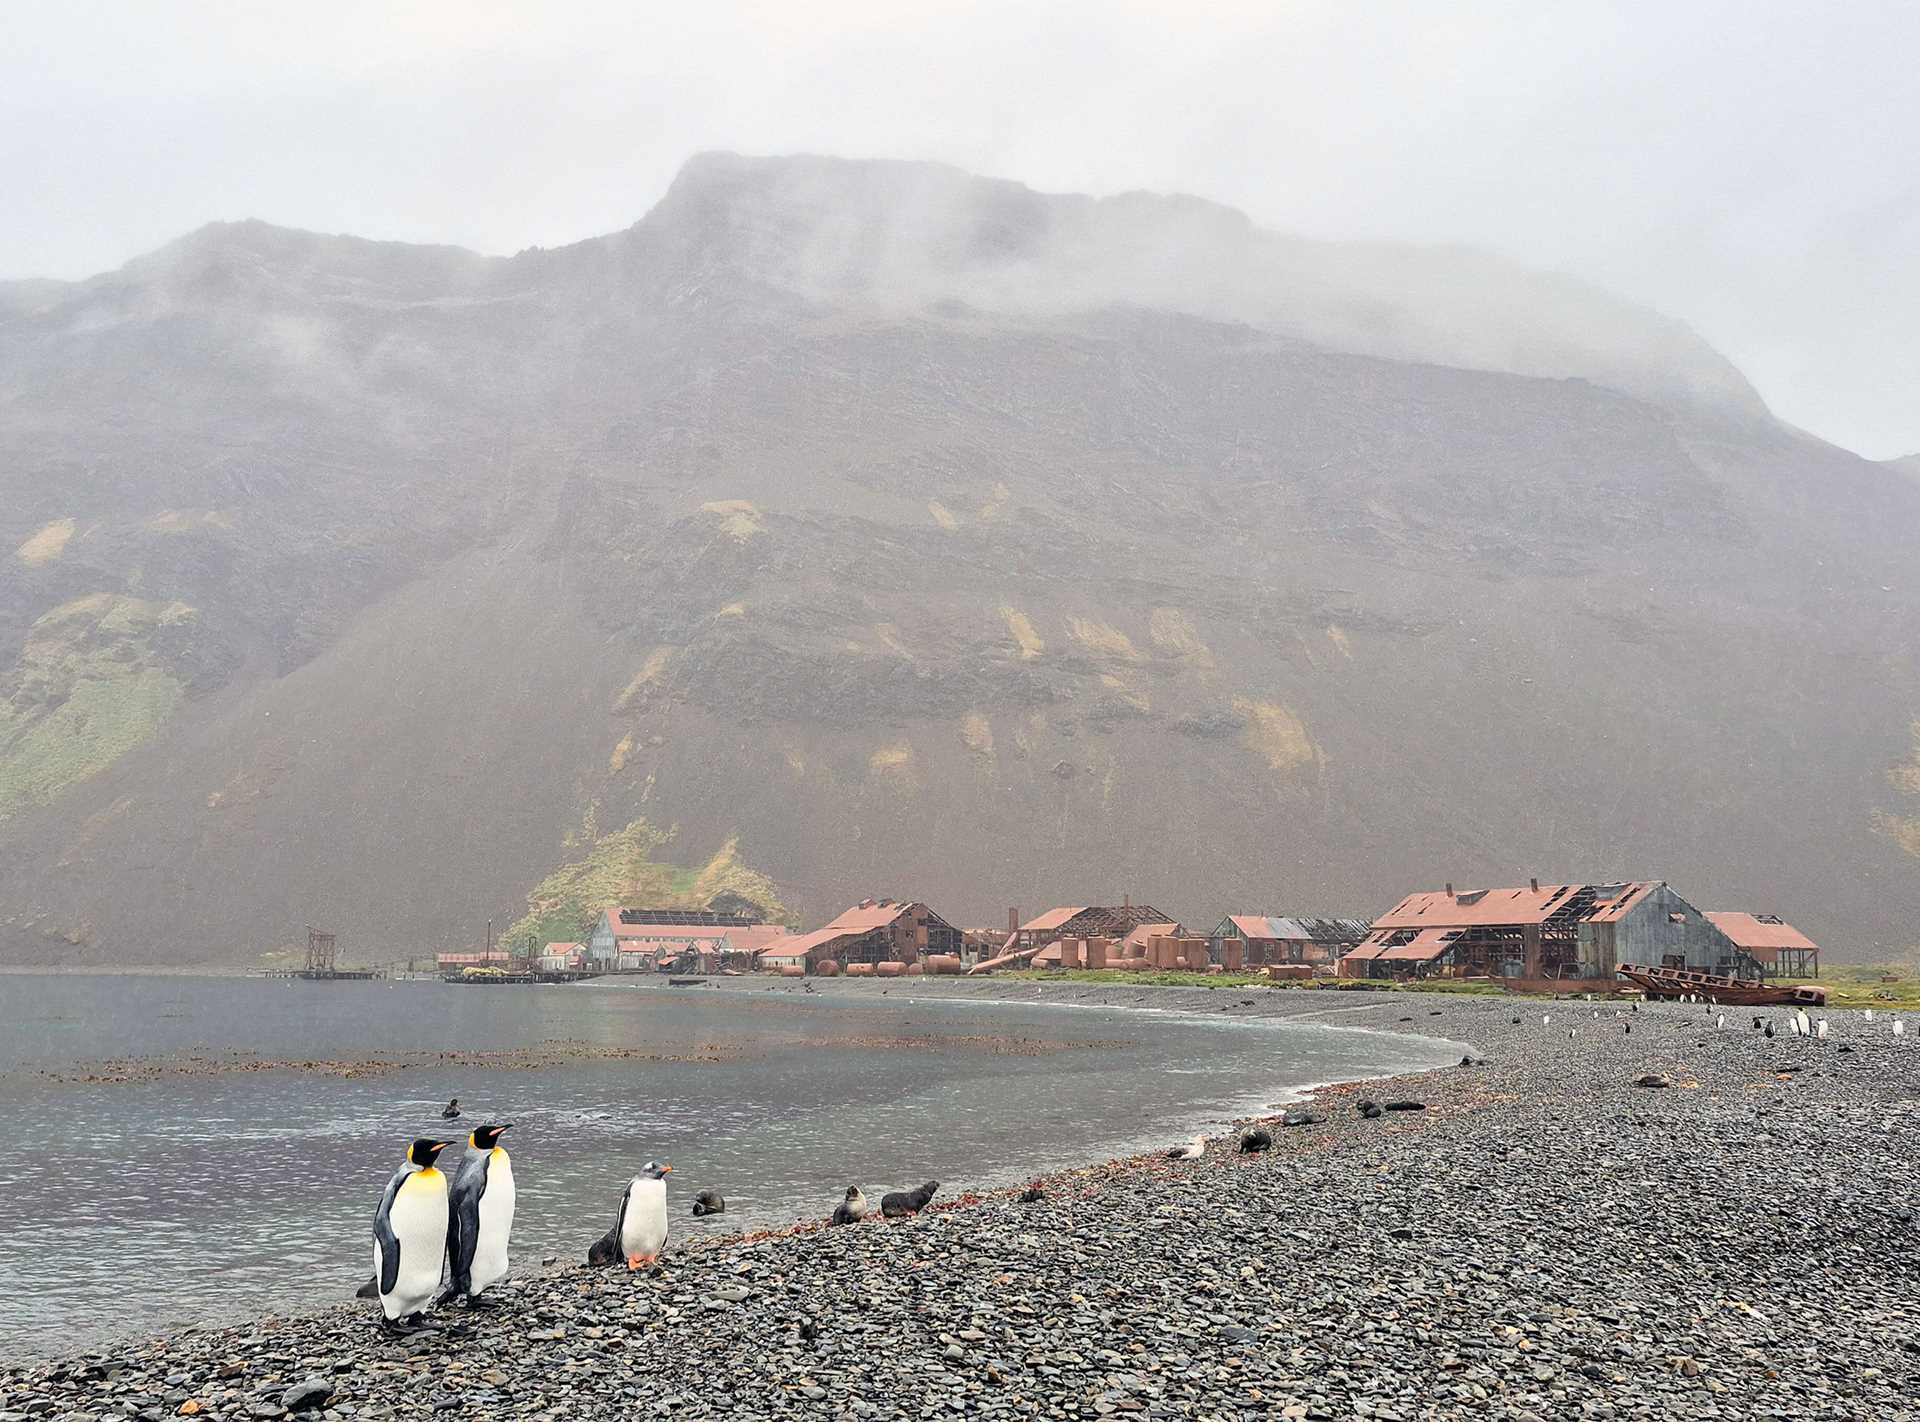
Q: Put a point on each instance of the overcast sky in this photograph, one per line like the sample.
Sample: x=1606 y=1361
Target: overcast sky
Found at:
x=1751 y=167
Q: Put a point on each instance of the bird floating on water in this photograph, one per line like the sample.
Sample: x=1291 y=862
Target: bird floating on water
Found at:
x=451 y=1110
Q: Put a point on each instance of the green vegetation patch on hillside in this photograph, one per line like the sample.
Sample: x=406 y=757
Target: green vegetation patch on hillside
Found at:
x=89 y=686
x=620 y=868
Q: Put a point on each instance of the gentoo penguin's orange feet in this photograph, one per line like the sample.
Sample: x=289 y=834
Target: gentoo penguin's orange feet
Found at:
x=640 y=1261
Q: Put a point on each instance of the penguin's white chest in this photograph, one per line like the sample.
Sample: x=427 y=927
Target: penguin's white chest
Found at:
x=496 y=1224
x=643 y=1229
x=418 y=1220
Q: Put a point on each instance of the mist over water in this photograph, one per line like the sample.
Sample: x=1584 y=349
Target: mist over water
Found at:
x=213 y=1197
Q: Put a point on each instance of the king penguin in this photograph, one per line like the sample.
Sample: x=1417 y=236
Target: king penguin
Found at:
x=479 y=1217
x=639 y=1230
x=410 y=1237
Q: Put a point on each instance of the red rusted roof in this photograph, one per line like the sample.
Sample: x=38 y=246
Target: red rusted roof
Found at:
x=798 y=945
x=1052 y=918
x=1138 y=938
x=1760 y=933
x=1364 y=951
x=1486 y=908
x=1427 y=944
x=864 y=918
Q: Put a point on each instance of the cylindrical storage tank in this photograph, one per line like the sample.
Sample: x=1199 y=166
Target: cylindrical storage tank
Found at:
x=914 y=969
x=829 y=968
x=890 y=970
x=942 y=963
x=1135 y=965
x=859 y=970
x=793 y=970
x=1097 y=952
x=1070 y=952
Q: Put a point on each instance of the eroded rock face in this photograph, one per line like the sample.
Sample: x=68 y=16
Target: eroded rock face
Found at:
x=881 y=585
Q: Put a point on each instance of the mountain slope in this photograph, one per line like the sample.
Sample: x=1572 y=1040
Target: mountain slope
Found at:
x=915 y=533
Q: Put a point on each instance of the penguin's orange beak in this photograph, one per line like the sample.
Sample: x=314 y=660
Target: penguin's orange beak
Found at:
x=666 y=1170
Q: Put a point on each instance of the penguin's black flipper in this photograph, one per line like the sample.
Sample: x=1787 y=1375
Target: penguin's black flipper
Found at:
x=463 y=1223
x=368 y=1290
x=384 y=1236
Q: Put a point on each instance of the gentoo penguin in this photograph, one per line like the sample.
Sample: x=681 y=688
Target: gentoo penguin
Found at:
x=639 y=1230
x=709 y=1202
x=410 y=1237
x=479 y=1217
x=1192 y=1150
x=1769 y=1031
x=907 y=1202
x=852 y=1209
x=451 y=1111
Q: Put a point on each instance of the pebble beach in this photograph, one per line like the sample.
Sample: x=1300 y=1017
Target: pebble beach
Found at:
x=1545 y=1239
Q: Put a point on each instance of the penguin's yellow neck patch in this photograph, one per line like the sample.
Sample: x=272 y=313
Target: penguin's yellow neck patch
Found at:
x=500 y=1153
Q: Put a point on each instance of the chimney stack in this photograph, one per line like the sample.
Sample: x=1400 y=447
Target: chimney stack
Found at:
x=1126 y=900
x=1449 y=891
x=1013 y=920
x=1535 y=884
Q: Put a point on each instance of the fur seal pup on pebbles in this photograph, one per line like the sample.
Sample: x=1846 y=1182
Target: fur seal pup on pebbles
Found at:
x=900 y=1203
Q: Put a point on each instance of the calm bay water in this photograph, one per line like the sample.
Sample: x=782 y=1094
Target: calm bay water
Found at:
x=208 y=1193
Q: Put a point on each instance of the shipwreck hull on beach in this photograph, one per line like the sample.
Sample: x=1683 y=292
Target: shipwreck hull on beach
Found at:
x=1669 y=983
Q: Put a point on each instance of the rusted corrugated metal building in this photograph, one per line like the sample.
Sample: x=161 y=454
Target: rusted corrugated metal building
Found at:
x=1543 y=934
x=1264 y=939
x=1083 y=922
x=874 y=931
x=1781 y=950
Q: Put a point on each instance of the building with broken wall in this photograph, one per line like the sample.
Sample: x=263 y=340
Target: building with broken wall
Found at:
x=1257 y=940
x=871 y=933
x=1544 y=935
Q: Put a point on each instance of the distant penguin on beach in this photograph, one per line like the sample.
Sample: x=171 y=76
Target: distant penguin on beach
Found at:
x=1192 y=1150
x=709 y=1202
x=639 y=1230
x=1756 y=1024
x=852 y=1209
x=1371 y=1110
x=1899 y=1027
x=897 y=1204
x=1769 y=1031
x=479 y=1217
x=410 y=1238
x=451 y=1112
x=1257 y=1139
